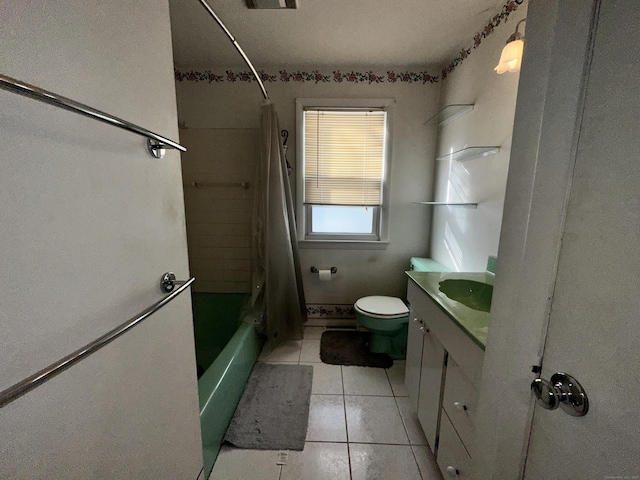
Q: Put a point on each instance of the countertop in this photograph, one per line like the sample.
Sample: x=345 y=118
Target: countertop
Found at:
x=473 y=322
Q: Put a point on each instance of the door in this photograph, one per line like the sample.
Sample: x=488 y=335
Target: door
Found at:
x=594 y=321
x=89 y=221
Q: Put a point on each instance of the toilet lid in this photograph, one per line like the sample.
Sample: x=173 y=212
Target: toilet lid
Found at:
x=384 y=306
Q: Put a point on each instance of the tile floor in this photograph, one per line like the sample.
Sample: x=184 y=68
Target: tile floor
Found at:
x=361 y=427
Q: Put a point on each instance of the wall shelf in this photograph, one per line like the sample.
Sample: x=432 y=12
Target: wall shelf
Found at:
x=451 y=204
x=470 y=153
x=448 y=113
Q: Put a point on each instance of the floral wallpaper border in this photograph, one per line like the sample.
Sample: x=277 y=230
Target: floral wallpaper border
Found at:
x=311 y=76
x=337 y=76
x=324 y=310
x=508 y=8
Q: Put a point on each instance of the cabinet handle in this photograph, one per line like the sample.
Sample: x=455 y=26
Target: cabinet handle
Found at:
x=452 y=471
x=416 y=320
x=459 y=406
x=424 y=329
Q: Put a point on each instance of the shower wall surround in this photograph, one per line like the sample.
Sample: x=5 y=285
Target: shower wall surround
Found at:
x=221 y=163
x=461 y=238
x=229 y=106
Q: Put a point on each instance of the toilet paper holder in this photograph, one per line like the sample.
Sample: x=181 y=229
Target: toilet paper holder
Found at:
x=315 y=270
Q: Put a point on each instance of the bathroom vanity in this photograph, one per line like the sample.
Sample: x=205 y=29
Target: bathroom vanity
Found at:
x=445 y=351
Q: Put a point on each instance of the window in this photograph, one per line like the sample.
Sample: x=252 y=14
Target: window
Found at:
x=343 y=146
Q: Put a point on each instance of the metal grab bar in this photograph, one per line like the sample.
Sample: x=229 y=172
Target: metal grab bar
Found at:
x=155 y=142
x=16 y=391
x=244 y=185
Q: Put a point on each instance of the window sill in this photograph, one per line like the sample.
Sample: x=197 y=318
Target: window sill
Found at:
x=344 y=244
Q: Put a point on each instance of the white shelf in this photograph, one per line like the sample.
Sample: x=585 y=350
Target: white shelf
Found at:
x=451 y=204
x=470 y=153
x=448 y=113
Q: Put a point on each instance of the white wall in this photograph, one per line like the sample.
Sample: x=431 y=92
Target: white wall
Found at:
x=462 y=238
x=228 y=105
x=89 y=223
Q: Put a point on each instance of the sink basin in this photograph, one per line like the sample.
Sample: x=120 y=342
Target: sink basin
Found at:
x=475 y=295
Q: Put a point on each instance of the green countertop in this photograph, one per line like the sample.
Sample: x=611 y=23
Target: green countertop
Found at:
x=473 y=322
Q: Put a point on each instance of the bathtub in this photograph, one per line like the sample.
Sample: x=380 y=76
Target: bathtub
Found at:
x=222 y=383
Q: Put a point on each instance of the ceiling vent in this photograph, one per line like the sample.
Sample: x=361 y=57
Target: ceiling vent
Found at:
x=271 y=4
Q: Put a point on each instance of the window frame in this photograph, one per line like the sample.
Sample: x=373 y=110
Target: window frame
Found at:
x=307 y=239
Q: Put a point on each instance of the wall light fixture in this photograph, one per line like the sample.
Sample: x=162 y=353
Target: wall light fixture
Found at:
x=511 y=57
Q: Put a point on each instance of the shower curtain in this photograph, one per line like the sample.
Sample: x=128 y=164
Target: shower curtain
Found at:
x=277 y=303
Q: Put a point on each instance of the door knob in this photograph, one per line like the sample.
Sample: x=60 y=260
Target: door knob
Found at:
x=562 y=391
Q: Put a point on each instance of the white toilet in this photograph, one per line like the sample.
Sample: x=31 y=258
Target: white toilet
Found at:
x=387 y=318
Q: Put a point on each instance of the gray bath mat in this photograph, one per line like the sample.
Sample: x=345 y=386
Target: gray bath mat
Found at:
x=274 y=409
x=351 y=348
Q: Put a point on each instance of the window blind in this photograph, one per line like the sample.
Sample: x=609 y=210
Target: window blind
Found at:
x=344 y=156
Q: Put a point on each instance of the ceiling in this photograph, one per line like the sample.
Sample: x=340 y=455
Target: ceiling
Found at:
x=328 y=33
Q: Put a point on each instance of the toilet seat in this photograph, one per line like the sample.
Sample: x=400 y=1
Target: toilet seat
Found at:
x=382 y=307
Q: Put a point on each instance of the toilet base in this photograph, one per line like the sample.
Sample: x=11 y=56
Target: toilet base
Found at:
x=394 y=345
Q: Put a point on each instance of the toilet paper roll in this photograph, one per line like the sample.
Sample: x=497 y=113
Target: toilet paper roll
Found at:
x=325 y=275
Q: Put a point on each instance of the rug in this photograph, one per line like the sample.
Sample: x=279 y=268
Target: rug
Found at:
x=350 y=348
x=274 y=409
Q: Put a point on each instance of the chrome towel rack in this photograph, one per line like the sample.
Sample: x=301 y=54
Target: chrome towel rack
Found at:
x=244 y=185
x=167 y=284
x=156 y=144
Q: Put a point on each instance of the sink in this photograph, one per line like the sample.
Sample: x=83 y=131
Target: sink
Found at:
x=473 y=294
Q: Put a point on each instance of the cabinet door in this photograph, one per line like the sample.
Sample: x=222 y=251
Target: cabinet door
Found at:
x=414 y=358
x=433 y=357
x=453 y=459
x=460 y=401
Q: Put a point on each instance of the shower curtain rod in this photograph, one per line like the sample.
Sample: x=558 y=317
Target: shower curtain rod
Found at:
x=238 y=47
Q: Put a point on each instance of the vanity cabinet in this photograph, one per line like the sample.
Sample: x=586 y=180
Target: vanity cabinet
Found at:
x=443 y=372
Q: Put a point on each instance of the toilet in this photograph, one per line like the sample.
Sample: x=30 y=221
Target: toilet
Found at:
x=387 y=318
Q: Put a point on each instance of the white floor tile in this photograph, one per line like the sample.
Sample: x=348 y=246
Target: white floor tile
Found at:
x=326 y=419
x=271 y=362
x=427 y=463
x=411 y=422
x=327 y=379
x=287 y=352
x=241 y=464
x=382 y=462
x=366 y=381
x=374 y=420
x=310 y=350
x=396 y=377
x=313 y=332
x=318 y=461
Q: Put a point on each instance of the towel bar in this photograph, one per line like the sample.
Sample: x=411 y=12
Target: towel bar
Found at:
x=155 y=143
x=16 y=391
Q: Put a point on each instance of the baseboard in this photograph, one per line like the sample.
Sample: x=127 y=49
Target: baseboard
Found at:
x=332 y=323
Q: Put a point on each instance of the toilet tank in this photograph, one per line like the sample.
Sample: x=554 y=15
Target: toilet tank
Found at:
x=418 y=264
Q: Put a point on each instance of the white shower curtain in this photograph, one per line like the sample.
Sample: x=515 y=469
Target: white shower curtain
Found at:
x=277 y=302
